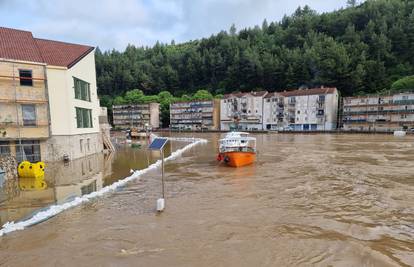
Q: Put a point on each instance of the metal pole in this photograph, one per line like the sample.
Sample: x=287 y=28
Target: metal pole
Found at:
x=162 y=169
x=17 y=116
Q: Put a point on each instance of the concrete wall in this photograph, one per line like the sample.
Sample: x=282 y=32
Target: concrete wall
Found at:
x=155 y=115
x=75 y=146
x=62 y=97
x=216 y=114
x=9 y=186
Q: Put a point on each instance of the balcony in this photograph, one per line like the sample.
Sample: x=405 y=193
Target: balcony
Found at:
x=320 y=113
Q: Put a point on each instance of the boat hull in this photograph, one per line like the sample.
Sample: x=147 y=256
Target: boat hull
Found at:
x=239 y=159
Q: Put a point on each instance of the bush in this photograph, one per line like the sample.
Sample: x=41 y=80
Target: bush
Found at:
x=403 y=84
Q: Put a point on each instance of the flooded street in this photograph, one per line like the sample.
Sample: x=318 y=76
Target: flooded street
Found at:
x=324 y=200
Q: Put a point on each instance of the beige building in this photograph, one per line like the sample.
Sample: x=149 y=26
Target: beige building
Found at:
x=302 y=110
x=379 y=112
x=136 y=116
x=49 y=97
x=243 y=111
x=195 y=115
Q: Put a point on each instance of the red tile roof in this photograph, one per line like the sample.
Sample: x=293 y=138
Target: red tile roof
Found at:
x=314 y=91
x=62 y=54
x=270 y=95
x=18 y=45
x=239 y=94
x=21 y=45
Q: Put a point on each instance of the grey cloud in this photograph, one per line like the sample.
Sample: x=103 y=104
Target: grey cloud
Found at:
x=113 y=24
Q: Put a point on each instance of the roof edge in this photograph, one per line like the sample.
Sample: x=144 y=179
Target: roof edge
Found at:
x=81 y=57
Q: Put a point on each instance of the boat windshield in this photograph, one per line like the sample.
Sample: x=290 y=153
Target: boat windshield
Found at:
x=237 y=143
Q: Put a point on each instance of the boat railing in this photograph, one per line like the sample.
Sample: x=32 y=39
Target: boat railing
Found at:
x=238 y=149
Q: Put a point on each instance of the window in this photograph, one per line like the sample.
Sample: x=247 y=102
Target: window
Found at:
x=82 y=90
x=83 y=168
x=4 y=148
x=29 y=150
x=298 y=111
x=84 y=118
x=321 y=98
x=29 y=115
x=26 y=78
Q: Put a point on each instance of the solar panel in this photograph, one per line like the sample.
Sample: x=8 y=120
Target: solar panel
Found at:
x=158 y=143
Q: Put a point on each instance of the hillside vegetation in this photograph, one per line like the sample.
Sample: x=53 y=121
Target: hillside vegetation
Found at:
x=359 y=49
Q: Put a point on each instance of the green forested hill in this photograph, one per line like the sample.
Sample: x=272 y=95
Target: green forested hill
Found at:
x=360 y=49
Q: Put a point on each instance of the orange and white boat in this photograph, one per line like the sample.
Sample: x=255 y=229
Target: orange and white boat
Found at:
x=237 y=149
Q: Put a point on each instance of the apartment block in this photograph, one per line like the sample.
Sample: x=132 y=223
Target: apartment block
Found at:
x=379 y=112
x=242 y=111
x=195 y=115
x=136 y=116
x=302 y=110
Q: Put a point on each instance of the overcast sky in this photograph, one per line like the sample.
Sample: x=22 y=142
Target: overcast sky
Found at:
x=113 y=24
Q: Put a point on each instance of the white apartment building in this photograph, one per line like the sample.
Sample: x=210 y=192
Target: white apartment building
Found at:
x=242 y=111
x=302 y=110
x=68 y=80
x=273 y=112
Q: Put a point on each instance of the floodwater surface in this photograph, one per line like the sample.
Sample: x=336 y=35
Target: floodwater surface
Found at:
x=309 y=200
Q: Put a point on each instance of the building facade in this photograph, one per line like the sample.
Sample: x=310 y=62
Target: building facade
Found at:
x=302 y=110
x=136 y=116
x=274 y=117
x=381 y=113
x=195 y=115
x=55 y=88
x=242 y=111
x=24 y=111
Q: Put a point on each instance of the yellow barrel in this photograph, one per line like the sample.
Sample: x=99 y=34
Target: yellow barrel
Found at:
x=31 y=170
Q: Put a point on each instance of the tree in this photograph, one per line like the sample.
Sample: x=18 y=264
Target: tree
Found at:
x=119 y=100
x=233 y=30
x=202 y=95
x=403 y=84
x=351 y=3
x=134 y=96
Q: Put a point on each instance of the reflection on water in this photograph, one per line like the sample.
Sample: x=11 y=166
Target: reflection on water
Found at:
x=65 y=181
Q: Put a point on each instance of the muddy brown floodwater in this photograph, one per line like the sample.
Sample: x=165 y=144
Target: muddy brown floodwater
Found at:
x=310 y=200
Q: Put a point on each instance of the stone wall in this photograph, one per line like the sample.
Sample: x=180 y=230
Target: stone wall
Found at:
x=10 y=186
